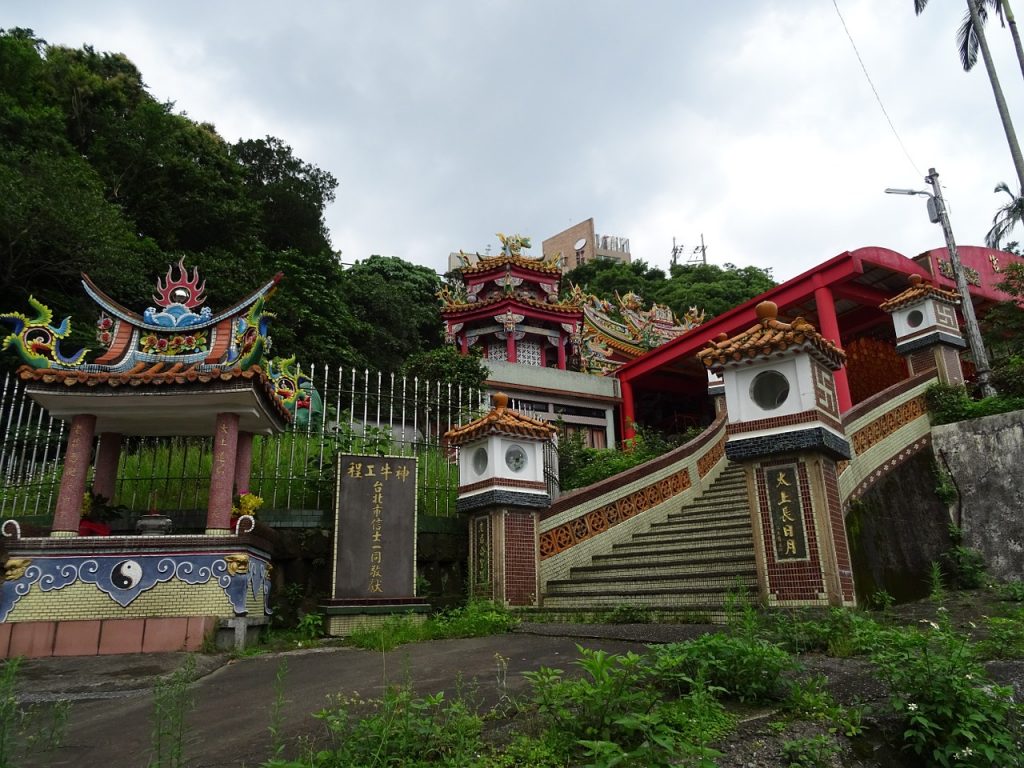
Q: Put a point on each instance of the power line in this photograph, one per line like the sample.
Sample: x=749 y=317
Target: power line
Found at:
x=874 y=90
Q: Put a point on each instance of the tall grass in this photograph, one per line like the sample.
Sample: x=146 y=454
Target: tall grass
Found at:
x=293 y=471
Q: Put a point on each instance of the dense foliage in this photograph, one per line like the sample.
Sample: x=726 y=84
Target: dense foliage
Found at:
x=580 y=466
x=708 y=287
x=99 y=176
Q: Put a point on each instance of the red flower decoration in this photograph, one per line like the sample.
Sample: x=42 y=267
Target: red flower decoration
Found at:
x=105 y=337
x=105 y=323
x=161 y=343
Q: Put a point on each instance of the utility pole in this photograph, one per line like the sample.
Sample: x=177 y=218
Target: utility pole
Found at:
x=941 y=216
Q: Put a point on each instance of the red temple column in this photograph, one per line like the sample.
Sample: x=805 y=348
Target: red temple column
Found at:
x=222 y=478
x=243 y=462
x=510 y=346
x=68 y=514
x=828 y=324
x=561 y=350
x=464 y=344
x=104 y=479
x=628 y=411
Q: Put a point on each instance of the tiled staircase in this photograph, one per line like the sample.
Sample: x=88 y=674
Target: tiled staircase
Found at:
x=685 y=563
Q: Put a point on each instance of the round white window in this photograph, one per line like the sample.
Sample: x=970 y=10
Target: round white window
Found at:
x=914 y=318
x=769 y=390
x=480 y=460
x=515 y=458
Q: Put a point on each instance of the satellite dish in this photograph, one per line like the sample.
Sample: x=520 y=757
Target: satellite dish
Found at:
x=580 y=244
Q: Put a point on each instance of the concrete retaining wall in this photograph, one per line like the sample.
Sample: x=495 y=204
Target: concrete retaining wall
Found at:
x=986 y=460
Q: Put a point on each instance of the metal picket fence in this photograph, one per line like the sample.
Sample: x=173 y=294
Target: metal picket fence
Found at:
x=363 y=412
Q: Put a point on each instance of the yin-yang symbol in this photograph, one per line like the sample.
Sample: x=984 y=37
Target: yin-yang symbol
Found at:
x=126 y=574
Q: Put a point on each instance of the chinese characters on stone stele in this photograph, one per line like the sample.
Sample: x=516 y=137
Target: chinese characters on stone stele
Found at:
x=376 y=524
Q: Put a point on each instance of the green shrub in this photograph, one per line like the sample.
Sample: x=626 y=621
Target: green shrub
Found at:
x=749 y=669
x=1012 y=591
x=839 y=633
x=476 y=619
x=1005 y=637
x=628 y=614
x=1008 y=376
x=948 y=403
x=399 y=729
x=613 y=714
x=953 y=714
x=810 y=752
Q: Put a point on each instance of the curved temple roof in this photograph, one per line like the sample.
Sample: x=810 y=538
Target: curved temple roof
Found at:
x=501 y=421
x=769 y=337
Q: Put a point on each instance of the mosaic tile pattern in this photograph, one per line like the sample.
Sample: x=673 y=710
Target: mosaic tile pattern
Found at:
x=888 y=423
x=708 y=461
x=601 y=519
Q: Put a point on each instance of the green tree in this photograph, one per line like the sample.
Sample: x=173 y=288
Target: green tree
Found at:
x=1006 y=218
x=290 y=193
x=712 y=288
x=395 y=307
x=605 y=278
x=708 y=287
x=967 y=36
x=975 y=32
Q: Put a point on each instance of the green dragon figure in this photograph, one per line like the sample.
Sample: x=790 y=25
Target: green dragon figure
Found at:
x=295 y=389
x=37 y=341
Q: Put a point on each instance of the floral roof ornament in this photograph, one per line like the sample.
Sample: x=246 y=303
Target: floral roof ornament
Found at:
x=771 y=336
x=501 y=421
x=919 y=291
x=168 y=347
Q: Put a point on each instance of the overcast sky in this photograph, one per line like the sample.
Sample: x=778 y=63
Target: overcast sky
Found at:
x=749 y=121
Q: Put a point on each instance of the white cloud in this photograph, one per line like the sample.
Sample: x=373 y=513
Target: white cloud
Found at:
x=444 y=122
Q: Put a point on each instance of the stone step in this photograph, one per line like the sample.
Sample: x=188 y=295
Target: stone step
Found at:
x=703 y=516
x=697 y=598
x=704 y=567
x=684 y=529
x=639 y=582
x=683 y=553
x=738 y=541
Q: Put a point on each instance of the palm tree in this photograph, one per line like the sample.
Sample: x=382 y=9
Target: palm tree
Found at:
x=1004 y=114
x=967 y=38
x=1006 y=218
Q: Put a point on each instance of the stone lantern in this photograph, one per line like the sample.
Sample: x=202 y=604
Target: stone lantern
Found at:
x=502 y=489
x=927 y=332
x=784 y=427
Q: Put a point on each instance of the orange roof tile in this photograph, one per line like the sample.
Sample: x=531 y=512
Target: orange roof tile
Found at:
x=771 y=336
x=501 y=421
x=154 y=374
x=488 y=263
x=918 y=291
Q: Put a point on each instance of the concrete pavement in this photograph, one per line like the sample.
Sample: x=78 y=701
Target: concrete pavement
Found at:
x=110 y=723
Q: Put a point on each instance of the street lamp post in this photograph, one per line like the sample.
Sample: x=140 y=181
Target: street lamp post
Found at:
x=939 y=215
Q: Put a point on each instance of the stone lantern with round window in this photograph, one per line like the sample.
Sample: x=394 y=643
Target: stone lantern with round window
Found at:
x=784 y=427
x=928 y=334
x=502 y=488
x=779 y=390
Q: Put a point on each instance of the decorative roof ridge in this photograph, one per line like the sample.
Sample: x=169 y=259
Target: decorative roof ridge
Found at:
x=135 y=319
x=501 y=420
x=562 y=307
x=919 y=291
x=493 y=262
x=771 y=335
